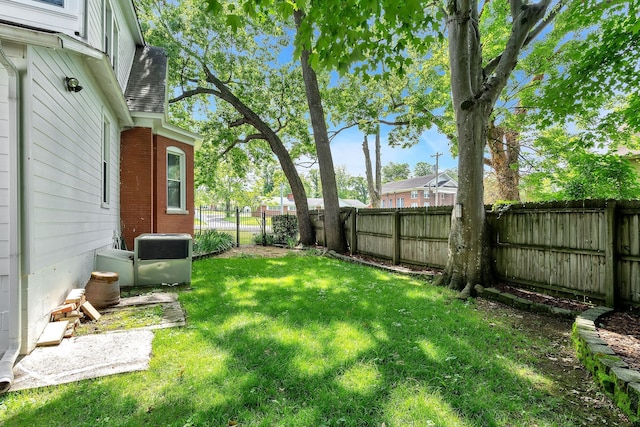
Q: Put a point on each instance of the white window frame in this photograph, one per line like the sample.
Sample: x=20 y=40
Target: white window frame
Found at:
x=175 y=151
x=414 y=194
x=51 y=3
x=400 y=202
x=414 y=204
x=425 y=194
x=105 y=169
x=110 y=33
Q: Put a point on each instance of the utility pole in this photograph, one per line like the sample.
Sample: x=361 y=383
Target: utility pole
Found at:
x=437 y=155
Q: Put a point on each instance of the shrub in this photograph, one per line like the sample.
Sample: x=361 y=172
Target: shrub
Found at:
x=211 y=241
x=269 y=239
x=285 y=228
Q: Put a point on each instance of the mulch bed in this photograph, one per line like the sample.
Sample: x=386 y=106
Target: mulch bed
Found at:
x=621 y=331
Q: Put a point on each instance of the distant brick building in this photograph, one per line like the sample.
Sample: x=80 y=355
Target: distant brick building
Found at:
x=419 y=192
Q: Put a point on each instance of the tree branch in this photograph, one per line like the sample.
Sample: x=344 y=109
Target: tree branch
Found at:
x=241 y=141
x=239 y=122
x=493 y=63
x=525 y=19
x=194 y=92
x=395 y=123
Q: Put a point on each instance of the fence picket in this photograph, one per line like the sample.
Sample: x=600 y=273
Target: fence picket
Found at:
x=587 y=249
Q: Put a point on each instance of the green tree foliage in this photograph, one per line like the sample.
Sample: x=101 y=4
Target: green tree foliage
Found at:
x=395 y=172
x=572 y=173
x=314 y=185
x=238 y=85
x=423 y=168
x=351 y=187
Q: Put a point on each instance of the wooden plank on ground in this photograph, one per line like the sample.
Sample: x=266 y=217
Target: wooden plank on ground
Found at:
x=90 y=311
x=53 y=333
x=64 y=308
x=75 y=295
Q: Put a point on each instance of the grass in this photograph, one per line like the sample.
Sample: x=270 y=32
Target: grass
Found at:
x=311 y=341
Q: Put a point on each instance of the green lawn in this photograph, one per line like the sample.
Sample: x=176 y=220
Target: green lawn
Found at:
x=311 y=341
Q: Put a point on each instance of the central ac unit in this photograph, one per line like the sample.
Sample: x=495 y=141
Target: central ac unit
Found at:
x=162 y=258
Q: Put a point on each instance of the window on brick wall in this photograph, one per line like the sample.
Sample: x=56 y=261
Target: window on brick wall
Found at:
x=106 y=161
x=176 y=180
x=400 y=202
x=414 y=194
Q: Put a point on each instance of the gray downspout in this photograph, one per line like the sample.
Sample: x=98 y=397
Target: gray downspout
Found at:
x=11 y=354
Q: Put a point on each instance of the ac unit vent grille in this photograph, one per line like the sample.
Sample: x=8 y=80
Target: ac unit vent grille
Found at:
x=163 y=249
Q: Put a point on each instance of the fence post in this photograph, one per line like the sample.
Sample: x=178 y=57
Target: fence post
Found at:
x=395 y=237
x=354 y=234
x=610 y=254
x=237 y=226
x=264 y=228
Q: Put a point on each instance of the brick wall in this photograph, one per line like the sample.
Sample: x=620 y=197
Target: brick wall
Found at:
x=143 y=186
x=391 y=200
x=136 y=183
x=174 y=222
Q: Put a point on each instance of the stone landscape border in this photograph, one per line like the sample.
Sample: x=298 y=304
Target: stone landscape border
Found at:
x=609 y=371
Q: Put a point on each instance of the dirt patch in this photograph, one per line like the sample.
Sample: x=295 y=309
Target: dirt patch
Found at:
x=590 y=405
x=621 y=331
x=553 y=301
x=151 y=310
x=256 y=251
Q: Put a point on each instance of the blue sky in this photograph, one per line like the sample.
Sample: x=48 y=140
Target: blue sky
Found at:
x=346 y=148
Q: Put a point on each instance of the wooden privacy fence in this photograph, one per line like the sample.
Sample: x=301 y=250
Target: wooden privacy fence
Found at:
x=586 y=249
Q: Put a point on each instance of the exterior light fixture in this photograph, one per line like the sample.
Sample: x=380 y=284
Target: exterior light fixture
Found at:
x=457 y=210
x=73 y=85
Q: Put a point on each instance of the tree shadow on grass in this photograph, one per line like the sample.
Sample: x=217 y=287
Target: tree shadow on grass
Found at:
x=306 y=341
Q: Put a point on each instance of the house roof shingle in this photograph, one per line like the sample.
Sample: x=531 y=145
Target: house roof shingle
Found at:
x=146 y=88
x=418 y=182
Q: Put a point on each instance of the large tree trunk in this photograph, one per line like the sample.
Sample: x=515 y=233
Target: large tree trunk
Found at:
x=378 y=165
x=334 y=232
x=474 y=91
x=504 y=147
x=469 y=263
x=374 y=195
x=374 y=184
x=307 y=234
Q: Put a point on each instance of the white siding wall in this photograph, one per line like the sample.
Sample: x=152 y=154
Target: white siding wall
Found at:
x=126 y=42
x=127 y=49
x=94 y=23
x=4 y=211
x=64 y=221
x=68 y=19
